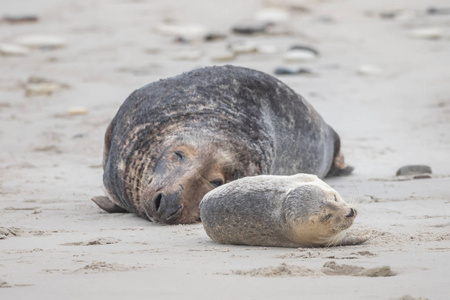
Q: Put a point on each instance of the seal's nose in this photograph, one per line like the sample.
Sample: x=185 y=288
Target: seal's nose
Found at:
x=166 y=208
x=352 y=213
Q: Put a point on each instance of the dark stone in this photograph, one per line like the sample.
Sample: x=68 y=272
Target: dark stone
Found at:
x=215 y=36
x=290 y=71
x=249 y=29
x=438 y=11
x=20 y=19
x=413 y=170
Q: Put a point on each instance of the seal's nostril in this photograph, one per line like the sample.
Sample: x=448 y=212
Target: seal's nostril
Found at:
x=157 y=201
x=351 y=214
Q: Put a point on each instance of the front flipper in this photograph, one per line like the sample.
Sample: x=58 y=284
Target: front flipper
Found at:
x=339 y=167
x=107 y=205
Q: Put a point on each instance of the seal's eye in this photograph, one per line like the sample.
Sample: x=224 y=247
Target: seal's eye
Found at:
x=179 y=155
x=335 y=198
x=216 y=182
x=326 y=217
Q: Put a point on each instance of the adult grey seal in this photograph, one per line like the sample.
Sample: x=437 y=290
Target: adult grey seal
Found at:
x=283 y=211
x=174 y=140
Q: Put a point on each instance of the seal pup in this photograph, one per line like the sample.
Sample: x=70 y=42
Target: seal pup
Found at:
x=282 y=211
x=174 y=140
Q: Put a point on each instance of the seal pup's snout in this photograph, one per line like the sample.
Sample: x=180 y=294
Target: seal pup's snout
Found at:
x=352 y=213
x=166 y=207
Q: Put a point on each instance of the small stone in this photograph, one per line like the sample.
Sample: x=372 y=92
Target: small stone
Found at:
x=369 y=70
x=272 y=16
x=20 y=19
x=184 y=32
x=305 y=48
x=267 y=49
x=291 y=71
x=4 y=284
x=438 y=11
x=188 y=55
x=250 y=28
x=326 y=20
x=76 y=111
x=39 y=86
x=243 y=47
x=414 y=170
x=223 y=57
x=299 y=56
x=153 y=51
x=41 y=41
x=431 y=33
x=382 y=271
x=390 y=13
x=13 y=50
x=215 y=36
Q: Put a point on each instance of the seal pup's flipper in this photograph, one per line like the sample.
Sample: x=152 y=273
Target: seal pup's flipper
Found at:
x=355 y=239
x=107 y=205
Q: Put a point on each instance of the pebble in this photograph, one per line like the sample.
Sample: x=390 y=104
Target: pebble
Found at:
x=215 y=36
x=291 y=71
x=305 y=48
x=272 y=16
x=299 y=55
x=438 y=11
x=41 y=41
x=267 y=49
x=242 y=47
x=414 y=170
x=223 y=57
x=369 y=70
x=4 y=284
x=184 y=32
x=13 y=50
x=390 y=13
x=430 y=33
x=77 y=111
x=250 y=28
x=188 y=55
x=326 y=20
x=20 y=19
x=39 y=86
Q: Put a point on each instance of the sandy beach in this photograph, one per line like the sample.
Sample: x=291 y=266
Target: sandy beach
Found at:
x=379 y=76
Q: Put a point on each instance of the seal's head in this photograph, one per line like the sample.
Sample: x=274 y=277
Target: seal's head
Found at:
x=318 y=215
x=184 y=172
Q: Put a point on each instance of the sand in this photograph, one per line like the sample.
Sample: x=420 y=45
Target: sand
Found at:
x=381 y=80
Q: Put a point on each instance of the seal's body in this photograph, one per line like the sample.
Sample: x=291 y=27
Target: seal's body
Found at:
x=174 y=140
x=283 y=211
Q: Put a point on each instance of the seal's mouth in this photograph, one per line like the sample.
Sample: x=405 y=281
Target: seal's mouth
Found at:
x=173 y=216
